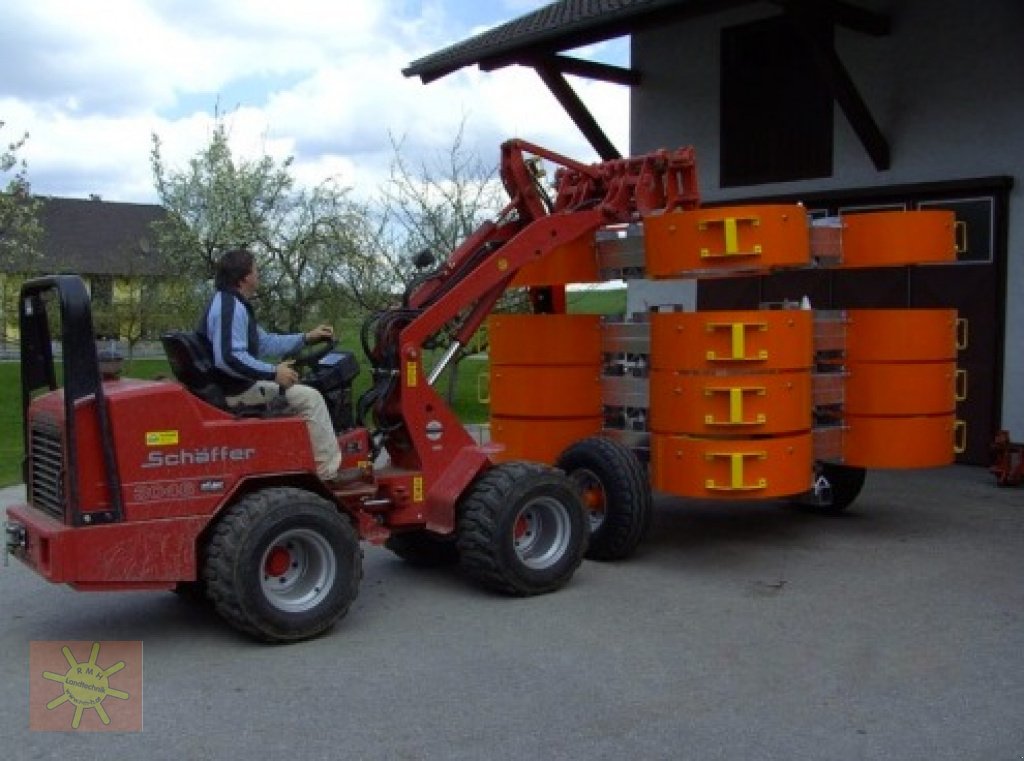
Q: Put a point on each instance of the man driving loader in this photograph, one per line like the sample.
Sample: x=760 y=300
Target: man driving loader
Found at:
x=238 y=343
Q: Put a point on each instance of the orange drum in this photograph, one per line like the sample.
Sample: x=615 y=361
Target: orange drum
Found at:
x=899 y=442
x=537 y=391
x=731 y=469
x=885 y=238
x=900 y=388
x=545 y=339
x=726 y=238
x=545 y=383
x=901 y=335
x=575 y=262
x=728 y=340
x=741 y=404
x=539 y=440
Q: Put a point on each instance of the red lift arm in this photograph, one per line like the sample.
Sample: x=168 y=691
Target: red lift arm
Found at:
x=420 y=432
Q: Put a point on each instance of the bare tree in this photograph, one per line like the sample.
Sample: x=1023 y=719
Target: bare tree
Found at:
x=434 y=206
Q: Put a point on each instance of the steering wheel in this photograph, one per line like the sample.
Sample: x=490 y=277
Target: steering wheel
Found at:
x=307 y=357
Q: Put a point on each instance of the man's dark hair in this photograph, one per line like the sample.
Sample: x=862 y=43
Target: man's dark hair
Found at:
x=232 y=267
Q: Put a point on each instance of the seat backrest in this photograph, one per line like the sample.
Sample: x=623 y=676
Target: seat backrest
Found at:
x=191 y=359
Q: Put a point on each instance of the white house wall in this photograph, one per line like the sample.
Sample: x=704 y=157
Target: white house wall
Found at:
x=946 y=88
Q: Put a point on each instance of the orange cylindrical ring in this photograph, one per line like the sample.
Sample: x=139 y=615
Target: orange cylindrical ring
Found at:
x=544 y=339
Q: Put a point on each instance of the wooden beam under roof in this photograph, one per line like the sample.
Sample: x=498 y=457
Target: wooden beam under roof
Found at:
x=581 y=117
x=578 y=67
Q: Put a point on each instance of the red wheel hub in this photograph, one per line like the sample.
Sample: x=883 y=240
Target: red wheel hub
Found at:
x=593 y=500
x=278 y=561
x=521 y=527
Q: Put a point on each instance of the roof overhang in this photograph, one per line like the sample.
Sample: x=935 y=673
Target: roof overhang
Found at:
x=540 y=39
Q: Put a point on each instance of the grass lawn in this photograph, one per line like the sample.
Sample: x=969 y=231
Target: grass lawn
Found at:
x=609 y=301
x=10 y=423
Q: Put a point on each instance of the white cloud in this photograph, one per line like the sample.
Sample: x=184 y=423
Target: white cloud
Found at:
x=317 y=79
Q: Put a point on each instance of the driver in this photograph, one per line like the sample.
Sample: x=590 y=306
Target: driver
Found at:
x=238 y=342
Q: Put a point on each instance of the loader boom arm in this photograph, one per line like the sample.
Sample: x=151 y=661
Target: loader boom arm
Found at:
x=420 y=431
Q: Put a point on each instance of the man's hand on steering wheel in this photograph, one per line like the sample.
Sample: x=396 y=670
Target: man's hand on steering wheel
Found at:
x=319 y=342
x=319 y=333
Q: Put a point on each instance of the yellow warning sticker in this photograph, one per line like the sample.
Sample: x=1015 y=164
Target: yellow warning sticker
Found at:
x=417 y=489
x=410 y=374
x=161 y=438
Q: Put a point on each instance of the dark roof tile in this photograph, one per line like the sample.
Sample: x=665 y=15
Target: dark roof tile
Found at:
x=560 y=25
x=99 y=237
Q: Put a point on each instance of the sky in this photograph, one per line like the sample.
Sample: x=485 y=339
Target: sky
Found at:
x=318 y=80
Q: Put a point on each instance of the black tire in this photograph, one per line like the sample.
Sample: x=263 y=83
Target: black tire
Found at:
x=836 y=488
x=616 y=495
x=424 y=548
x=521 y=529
x=283 y=565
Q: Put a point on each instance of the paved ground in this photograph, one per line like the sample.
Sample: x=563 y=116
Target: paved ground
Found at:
x=739 y=632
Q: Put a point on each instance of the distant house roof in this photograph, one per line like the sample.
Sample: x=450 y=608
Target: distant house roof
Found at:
x=99 y=237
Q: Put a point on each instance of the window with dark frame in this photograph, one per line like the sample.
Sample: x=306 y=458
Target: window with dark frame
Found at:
x=776 y=109
x=101 y=289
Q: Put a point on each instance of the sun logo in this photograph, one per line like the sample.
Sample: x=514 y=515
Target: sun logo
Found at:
x=86 y=685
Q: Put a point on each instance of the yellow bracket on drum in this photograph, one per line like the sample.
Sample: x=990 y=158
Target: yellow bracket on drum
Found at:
x=731 y=233
x=739 y=341
x=736 y=461
x=736 y=405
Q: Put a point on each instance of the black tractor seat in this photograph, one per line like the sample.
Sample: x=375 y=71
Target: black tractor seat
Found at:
x=191 y=359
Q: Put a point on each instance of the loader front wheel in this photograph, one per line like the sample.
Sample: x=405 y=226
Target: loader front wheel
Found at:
x=521 y=529
x=283 y=565
x=615 y=492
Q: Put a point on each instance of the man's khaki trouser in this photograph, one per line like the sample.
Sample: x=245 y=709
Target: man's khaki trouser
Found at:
x=309 y=404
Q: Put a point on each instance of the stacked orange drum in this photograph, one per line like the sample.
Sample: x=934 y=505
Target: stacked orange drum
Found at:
x=730 y=402
x=901 y=387
x=545 y=383
x=575 y=262
x=682 y=243
x=730 y=394
x=887 y=238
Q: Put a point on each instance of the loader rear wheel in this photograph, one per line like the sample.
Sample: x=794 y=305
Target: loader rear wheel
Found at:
x=615 y=493
x=521 y=529
x=283 y=565
x=424 y=548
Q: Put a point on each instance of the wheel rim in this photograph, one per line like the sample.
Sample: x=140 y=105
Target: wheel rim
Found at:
x=541 y=532
x=297 y=570
x=594 y=498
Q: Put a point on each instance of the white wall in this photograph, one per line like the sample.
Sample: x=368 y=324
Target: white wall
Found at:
x=643 y=296
x=946 y=88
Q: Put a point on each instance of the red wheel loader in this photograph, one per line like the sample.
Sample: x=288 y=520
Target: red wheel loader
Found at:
x=135 y=484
